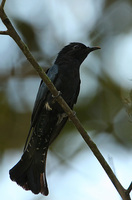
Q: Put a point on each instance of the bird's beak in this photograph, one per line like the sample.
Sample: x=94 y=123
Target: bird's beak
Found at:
x=93 y=48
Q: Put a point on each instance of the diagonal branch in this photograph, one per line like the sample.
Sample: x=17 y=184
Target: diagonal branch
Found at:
x=2 y=4
x=12 y=33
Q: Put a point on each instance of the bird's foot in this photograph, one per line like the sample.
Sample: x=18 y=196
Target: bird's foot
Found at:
x=47 y=106
x=61 y=117
x=74 y=114
x=59 y=94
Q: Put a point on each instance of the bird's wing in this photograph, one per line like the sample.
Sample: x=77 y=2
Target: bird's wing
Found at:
x=41 y=97
x=42 y=93
x=57 y=129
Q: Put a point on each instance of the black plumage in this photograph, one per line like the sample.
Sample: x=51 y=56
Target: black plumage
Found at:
x=48 y=118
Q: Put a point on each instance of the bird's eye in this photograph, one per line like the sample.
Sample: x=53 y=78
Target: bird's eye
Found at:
x=76 y=47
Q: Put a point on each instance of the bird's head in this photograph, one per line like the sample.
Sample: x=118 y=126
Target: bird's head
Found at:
x=75 y=51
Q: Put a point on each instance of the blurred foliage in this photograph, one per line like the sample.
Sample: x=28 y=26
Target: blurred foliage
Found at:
x=104 y=112
x=13 y=125
x=28 y=33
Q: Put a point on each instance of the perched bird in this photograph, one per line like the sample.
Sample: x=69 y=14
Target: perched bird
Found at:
x=48 y=118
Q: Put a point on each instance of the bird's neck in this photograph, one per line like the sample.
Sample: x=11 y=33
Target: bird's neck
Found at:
x=67 y=61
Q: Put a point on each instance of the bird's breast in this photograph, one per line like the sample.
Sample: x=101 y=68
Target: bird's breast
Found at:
x=68 y=86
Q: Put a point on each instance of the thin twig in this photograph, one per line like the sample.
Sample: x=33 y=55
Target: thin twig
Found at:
x=4 y=32
x=12 y=32
x=129 y=189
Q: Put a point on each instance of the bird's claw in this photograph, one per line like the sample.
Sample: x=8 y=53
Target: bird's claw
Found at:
x=74 y=114
x=59 y=94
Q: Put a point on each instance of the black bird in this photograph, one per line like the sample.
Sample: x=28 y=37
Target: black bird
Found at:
x=48 y=118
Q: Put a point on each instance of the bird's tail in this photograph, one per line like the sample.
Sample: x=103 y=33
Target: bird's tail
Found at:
x=29 y=172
